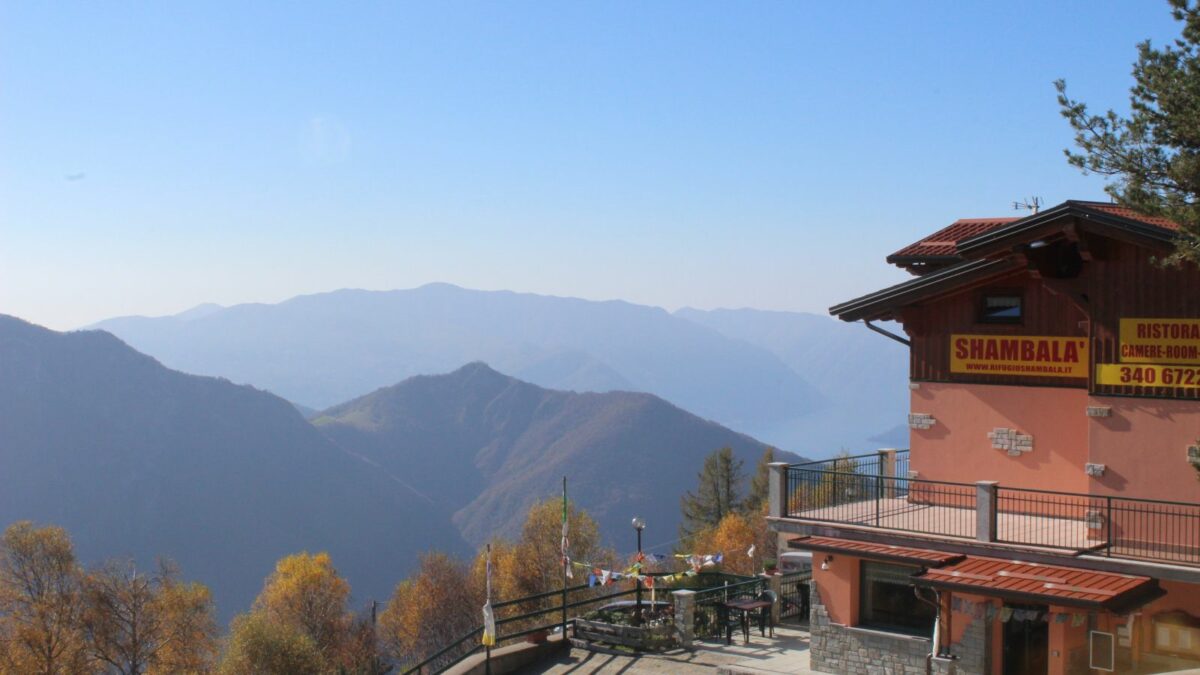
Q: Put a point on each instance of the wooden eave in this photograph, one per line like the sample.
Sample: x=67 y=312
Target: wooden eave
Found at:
x=882 y=304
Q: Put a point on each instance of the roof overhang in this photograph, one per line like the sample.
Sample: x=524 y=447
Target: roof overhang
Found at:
x=881 y=304
x=903 y=260
x=1003 y=238
x=993 y=253
x=1043 y=584
x=871 y=551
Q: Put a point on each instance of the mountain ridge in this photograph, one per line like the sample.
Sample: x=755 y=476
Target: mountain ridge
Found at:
x=498 y=443
x=321 y=349
x=137 y=460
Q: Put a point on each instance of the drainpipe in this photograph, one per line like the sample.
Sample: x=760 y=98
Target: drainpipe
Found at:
x=887 y=333
x=937 y=627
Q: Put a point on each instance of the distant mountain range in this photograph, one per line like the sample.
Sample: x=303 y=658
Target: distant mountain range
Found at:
x=862 y=376
x=803 y=382
x=135 y=459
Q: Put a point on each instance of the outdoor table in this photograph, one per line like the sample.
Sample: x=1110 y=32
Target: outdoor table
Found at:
x=746 y=607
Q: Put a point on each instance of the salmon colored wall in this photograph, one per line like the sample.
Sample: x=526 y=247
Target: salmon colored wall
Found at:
x=957 y=448
x=1064 y=639
x=1143 y=446
x=838 y=587
x=959 y=621
x=1179 y=596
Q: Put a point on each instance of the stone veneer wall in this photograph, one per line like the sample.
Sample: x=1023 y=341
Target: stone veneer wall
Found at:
x=972 y=653
x=834 y=648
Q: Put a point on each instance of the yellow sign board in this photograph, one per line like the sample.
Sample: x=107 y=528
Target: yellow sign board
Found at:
x=1119 y=374
x=1029 y=355
x=1160 y=341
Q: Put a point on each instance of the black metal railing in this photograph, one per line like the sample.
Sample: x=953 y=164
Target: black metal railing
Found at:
x=794 y=597
x=1114 y=526
x=804 y=480
x=1153 y=529
x=1048 y=519
x=707 y=623
x=513 y=624
x=922 y=506
x=580 y=600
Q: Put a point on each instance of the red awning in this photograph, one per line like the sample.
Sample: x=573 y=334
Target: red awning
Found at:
x=884 y=552
x=1048 y=584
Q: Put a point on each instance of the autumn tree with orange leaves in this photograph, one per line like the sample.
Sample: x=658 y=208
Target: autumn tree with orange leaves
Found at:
x=300 y=623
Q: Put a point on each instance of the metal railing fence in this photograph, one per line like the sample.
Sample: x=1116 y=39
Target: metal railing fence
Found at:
x=794 y=597
x=903 y=504
x=708 y=614
x=1110 y=525
x=584 y=599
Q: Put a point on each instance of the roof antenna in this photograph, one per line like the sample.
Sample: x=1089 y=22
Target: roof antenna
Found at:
x=1032 y=204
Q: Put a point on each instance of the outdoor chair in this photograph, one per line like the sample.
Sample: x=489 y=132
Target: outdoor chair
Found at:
x=765 y=618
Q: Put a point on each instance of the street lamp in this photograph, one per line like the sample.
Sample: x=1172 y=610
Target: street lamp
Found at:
x=639 y=525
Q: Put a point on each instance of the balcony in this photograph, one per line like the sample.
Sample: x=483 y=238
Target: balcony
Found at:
x=874 y=491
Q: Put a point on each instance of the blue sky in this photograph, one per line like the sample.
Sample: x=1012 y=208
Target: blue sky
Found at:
x=765 y=155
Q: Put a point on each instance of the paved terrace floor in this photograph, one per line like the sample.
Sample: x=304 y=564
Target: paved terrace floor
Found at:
x=787 y=652
x=897 y=513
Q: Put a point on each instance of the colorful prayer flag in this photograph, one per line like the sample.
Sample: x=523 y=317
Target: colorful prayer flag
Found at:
x=489 y=618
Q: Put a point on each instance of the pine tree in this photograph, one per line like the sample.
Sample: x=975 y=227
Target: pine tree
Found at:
x=716 y=495
x=760 y=485
x=1153 y=155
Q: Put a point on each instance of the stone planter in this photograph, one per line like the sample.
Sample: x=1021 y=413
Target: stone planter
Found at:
x=642 y=638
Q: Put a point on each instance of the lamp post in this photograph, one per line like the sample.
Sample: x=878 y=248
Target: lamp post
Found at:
x=639 y=525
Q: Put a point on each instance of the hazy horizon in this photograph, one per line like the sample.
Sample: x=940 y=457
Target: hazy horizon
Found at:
x=200 y=305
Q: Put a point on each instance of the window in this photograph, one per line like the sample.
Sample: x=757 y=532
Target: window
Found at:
x=1102 y=655
x=1000 y=308
x=887 y=600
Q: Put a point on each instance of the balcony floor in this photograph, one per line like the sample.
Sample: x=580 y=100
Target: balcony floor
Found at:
x=897 y=513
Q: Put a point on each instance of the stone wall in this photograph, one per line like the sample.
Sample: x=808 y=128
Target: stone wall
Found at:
x=834 y=648
x=841 y=649
x=971 y=654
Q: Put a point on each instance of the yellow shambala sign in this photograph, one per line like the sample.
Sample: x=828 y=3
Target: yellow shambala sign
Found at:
x=1031 y=355
x=1160 y=341
x=1119 y=374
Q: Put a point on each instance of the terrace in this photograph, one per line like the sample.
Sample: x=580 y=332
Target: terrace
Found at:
x=530 y=631
x=874 y=492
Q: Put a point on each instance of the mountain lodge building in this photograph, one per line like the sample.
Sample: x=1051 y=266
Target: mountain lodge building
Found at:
x=1046 y=518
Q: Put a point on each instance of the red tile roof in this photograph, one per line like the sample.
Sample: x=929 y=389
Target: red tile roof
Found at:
x=1130 y=214
x=1051 y=584
x=864 y=549
x=944 y=241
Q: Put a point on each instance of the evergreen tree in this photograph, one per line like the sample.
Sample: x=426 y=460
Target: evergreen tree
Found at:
x=716 y=495
x=1153 y=155
x=760 y=485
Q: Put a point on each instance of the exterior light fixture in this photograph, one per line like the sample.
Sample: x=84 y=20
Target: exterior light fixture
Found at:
x=639 y=525
x=826 y=561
